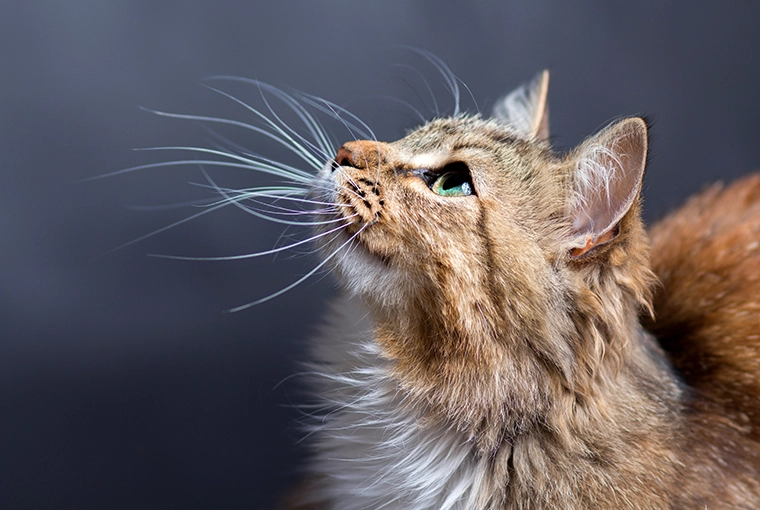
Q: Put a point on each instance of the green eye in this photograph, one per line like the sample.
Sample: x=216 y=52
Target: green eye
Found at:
x=453 y=180
x=453 y=184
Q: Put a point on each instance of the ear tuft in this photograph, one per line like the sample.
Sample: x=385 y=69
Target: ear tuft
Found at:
x=609 y=169
x=525 y=109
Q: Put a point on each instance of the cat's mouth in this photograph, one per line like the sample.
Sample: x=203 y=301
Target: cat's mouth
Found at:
x=359 y=207
x=360 y=210
x=362 y=202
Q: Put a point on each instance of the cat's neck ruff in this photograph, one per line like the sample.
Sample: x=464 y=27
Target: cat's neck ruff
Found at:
x=374 y=450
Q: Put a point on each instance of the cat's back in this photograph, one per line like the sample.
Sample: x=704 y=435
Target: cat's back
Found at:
x=707 y=310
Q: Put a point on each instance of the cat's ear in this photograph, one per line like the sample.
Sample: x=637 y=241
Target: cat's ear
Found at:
x=607 y=174
x=525 y=109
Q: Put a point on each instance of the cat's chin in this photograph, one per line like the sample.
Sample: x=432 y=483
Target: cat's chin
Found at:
x=364 y=273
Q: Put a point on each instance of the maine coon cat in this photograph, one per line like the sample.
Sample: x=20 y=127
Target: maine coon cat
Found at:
x=488 y=351
x=505 y=337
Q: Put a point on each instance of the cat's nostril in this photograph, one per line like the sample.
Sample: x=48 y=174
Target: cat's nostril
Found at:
x=344 y=157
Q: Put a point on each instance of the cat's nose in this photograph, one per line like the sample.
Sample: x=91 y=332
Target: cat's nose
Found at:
x=344 y=157
x=361 y=154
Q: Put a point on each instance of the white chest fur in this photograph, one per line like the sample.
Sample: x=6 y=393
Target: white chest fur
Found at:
x=371 y=449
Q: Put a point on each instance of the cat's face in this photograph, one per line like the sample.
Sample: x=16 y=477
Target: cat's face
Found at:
x=444 y=210
x=480 y=250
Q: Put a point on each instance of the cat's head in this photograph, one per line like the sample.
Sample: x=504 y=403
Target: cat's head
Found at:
x=485 y=255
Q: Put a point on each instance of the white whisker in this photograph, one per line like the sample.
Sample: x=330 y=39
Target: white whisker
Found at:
x=286 y=142
x=235 y=200
x=167 y=207
x=307 y=153
x=451 y=81
x=269 y=191
x=255 y=254
x=184 y=162
x=397 y=100
x=335 y=111
x=287 y=211
x=436 y=109
x=303 y=278
x=253 y=161
x=319 y=151
x=260 y=159
x=258 y=193
x=167 y=227
x=311 y=123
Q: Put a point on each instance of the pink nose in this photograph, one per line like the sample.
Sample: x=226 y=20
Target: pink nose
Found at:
x=361 y=154
x=345 y=157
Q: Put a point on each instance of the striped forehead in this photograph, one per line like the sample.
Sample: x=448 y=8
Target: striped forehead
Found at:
x=430 y=159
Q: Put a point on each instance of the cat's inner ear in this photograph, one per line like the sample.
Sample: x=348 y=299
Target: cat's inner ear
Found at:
x=525 y=109
x=608 y=173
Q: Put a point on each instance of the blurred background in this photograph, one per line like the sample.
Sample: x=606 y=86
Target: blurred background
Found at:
x=123 y=382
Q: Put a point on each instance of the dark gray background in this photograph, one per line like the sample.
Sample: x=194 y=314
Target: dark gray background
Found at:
x=122 y=382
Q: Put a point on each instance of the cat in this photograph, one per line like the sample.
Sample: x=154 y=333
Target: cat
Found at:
x=501 y=337
x=508 y=335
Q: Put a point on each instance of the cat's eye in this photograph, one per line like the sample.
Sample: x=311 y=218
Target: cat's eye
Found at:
x=453 y=184
x=453 y=180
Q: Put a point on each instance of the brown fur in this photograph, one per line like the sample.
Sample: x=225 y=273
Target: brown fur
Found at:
x=521 y=330
x=707 y=255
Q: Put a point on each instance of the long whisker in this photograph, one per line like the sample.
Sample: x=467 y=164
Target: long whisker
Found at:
x=264 y=216
x=184 y=162
x=311 y=123
x=253 y=161
x=286 y=142
x=335 y=111
x=240 y=150
x=325 y=154
x=308 y=152
x=303 y=278
x=258 y=253
x=273 y=219
x=307 y=117
x=257 y=192
x=450 y=80
x=287 y=211
x=436 y=108
x=283 y=211
x=177 y=205
x=392 y=99
x=469 y=92
x=240 y=197
x=167 y=227
x=274 y=192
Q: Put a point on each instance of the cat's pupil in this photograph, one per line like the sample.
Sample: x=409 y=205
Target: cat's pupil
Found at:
x=453 y=184
x=451 y=181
